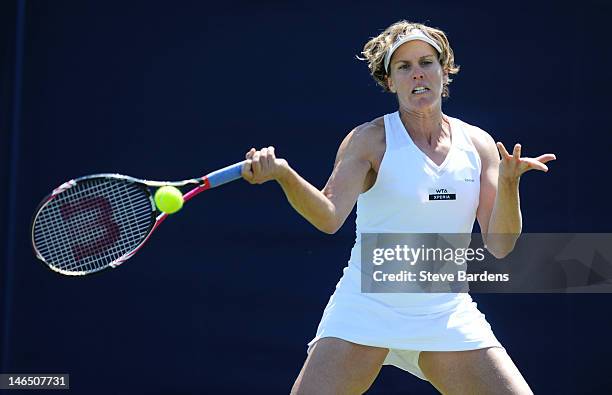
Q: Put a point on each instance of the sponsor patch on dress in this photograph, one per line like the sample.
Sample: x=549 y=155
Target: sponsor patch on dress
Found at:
x=442 y=194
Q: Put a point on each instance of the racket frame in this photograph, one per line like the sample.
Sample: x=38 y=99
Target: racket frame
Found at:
x=201 y=184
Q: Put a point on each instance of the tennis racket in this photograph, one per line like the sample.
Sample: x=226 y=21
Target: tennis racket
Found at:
x=94 y=222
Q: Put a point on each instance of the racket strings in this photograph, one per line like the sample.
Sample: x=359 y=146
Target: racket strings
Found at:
x=93 y=224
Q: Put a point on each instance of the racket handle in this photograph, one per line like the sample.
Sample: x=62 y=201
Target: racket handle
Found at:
x=225 y=175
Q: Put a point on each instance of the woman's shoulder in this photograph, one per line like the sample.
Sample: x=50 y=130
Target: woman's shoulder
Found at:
x=375 y=126
x=480 y=138
x=366 y=140
x=370 y=132
x=369 y=135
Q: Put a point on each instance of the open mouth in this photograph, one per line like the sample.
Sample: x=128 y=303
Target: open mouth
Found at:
x=420 y=90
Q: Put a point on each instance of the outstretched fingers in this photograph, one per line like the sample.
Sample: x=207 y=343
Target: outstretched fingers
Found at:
x=534 y=164
x=546 y=158
x=502 y=150
x=516 y=153
x=538 y=163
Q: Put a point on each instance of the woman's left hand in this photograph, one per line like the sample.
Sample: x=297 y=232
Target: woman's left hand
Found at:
x=513 y=166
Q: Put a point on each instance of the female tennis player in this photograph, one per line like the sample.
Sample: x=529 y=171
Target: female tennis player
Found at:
x=387 y=166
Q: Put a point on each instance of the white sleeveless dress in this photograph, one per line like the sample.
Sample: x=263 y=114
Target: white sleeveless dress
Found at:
x=399 y=203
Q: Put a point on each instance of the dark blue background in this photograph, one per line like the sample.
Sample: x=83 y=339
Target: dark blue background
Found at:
x=227 y=293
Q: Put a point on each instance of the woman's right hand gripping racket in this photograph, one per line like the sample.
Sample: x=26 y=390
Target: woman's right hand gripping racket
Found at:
x=94 y=222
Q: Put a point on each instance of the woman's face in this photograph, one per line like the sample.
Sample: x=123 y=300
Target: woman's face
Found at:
x=416 y=76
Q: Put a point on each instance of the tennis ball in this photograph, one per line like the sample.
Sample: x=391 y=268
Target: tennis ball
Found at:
x=169 y=199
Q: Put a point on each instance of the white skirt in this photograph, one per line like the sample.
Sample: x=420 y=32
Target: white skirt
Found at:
x=435 y=322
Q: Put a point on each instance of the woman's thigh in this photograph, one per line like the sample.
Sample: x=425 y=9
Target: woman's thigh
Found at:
x=484 y=371
x=336 y=366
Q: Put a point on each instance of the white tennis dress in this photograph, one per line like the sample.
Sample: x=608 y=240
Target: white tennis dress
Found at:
x=408 y=323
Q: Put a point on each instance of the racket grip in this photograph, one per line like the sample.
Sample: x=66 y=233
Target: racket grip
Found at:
x=225 y=175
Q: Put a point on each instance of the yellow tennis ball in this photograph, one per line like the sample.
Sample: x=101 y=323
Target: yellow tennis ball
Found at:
x=169 y=199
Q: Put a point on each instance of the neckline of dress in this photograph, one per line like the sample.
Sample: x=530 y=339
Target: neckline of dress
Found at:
x=442 y=165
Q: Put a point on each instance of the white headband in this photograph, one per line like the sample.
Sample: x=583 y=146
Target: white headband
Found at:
x=414 y=34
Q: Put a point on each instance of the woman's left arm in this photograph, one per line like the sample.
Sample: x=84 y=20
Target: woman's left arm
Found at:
x=499 y=210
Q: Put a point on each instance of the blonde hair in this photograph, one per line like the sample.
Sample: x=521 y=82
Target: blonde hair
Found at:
x=374 y=51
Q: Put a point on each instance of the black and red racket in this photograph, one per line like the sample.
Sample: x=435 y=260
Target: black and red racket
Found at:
x=94 y=222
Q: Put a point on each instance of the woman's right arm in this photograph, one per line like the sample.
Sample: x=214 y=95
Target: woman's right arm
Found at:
x=326 y=209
